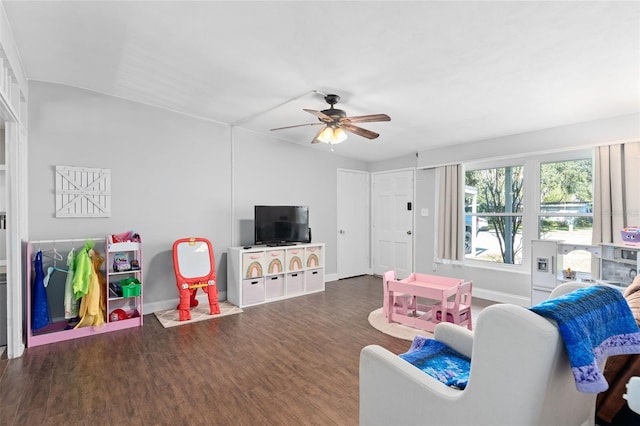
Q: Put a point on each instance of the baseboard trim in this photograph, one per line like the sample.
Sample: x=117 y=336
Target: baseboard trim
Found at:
x=330 y=277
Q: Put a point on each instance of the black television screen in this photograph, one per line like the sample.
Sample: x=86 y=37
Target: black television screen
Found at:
x=281 y=224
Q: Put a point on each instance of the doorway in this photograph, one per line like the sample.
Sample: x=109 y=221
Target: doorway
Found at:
x=393 y=201
x=353 y=205
x=3 y=240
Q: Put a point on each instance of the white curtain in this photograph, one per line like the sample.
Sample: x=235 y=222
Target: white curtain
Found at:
x=450 y=244
x=616 y=198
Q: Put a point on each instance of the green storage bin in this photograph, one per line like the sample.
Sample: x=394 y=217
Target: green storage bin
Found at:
x=131 y=287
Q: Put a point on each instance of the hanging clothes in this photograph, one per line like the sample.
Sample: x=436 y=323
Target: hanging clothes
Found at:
x=93 y=305
x=98 y=260
x=82 y=271
x=40 y=308
x=70 y=301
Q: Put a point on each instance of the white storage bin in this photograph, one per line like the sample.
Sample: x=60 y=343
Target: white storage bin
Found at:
x=314 y=279
x=252 y=291
x=274 y=286
x=295 y=282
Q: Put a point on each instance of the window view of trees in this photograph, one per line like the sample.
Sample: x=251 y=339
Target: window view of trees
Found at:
x=495 y=210
x=499 y=200
x=566 y=199
x=566 y=208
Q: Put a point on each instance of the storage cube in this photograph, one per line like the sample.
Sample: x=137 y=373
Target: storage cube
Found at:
x=295 y=283
x=253 y=264
x=252 y=291
x=274 y=286
x=314 y=280
x=313 y=257
x=294 y=258
x=274 y=261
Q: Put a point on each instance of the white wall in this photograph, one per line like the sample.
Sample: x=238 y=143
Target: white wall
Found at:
x=169 y=175
x=398 y=163
x=173 y=176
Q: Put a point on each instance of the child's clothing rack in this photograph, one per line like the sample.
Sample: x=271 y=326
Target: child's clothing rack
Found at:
x=54 y=258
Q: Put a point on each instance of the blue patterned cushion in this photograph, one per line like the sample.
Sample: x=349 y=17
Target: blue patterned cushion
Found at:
x=439 y=361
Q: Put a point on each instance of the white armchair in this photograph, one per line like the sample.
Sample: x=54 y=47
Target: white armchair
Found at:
x=520 y=375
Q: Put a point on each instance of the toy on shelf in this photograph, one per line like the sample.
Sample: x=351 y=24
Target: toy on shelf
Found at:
x=129 y=236
x=121 y=262
x=120 y=315
x=568 y=274
x=117 y=315
x=631 y=235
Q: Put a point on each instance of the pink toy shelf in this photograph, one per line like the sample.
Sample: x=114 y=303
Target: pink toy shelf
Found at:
x=122 y=310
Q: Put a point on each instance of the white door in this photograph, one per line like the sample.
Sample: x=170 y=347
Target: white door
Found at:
x=353 y=223
x=393 y=222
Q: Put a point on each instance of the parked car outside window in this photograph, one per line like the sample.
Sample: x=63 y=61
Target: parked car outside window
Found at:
x=482 y=225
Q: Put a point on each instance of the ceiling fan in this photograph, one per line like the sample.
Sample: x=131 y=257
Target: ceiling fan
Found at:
x=336 y=122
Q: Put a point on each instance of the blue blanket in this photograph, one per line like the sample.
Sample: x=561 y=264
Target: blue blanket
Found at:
x=439 y=361
x=594 y=322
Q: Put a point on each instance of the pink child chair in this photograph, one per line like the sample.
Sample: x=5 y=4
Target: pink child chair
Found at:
x=458 y=310
x=195 y=268
x=402 y=303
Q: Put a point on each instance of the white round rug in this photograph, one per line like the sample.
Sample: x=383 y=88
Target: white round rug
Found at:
x=400 y=331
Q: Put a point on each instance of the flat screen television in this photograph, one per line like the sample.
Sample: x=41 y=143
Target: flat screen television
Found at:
x=281 y=225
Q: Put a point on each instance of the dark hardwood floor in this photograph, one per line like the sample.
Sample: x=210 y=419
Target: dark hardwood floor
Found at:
x=293 y=362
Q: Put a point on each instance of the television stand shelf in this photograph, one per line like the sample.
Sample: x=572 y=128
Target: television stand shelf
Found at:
x=263 y=274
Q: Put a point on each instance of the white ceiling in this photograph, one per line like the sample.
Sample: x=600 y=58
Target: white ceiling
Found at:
x=446 y=72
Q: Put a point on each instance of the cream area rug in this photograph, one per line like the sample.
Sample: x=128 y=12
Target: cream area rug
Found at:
x=400 y=331
x=170 y=318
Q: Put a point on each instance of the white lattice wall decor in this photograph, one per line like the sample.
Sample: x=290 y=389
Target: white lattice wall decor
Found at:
x=83 y=192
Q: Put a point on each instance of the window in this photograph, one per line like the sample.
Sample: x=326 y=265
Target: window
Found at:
x=500 y=221
x=566 y=208
x=494 y=214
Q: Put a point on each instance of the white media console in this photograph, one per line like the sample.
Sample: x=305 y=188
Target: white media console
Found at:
x=262 y=274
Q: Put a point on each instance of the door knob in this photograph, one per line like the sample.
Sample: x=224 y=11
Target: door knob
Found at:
x=342 y=231
x=408 y=232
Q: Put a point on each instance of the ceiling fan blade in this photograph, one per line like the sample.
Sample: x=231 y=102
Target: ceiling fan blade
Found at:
x=321 y=115
x=315 y=138
x=359 y=131
x=367 y=118
x=297 y=125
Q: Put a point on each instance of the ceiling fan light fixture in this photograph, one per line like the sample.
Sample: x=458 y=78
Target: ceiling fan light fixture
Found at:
x=332 y=135
x=337 y=123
